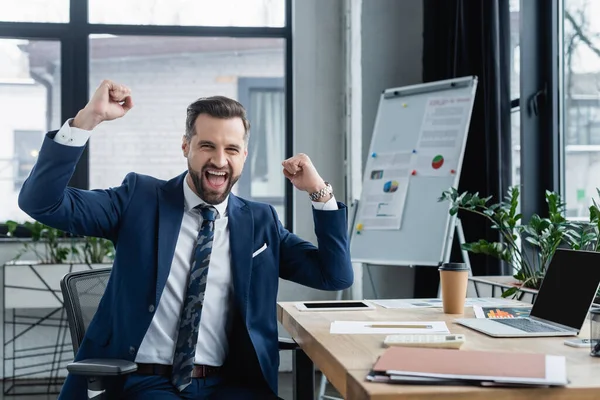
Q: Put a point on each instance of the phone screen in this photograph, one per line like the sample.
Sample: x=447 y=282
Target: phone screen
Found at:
x=355 y=304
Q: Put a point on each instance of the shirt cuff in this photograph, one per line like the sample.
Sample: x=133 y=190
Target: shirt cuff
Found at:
x=71 y=136
x=329 y=205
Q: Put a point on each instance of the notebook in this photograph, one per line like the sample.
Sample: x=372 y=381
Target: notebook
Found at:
x=489 y=366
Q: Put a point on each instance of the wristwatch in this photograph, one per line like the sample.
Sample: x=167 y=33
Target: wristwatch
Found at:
x=321 y=193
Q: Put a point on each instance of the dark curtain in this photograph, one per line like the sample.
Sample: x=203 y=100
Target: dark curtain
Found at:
x=463 y=38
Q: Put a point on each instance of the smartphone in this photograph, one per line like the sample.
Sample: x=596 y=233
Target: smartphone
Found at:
x=580 y=342
x=334 y=306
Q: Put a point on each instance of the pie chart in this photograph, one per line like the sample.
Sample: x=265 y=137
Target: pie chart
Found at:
x=390 y=186
x=437 y=162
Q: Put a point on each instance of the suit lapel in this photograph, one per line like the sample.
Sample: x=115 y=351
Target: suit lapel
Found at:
x=170 y=215
x=241 y=238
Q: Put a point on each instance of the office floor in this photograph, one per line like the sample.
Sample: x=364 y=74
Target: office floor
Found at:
x=285 y=390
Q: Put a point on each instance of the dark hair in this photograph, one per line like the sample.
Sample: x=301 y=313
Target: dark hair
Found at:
x=218 y=107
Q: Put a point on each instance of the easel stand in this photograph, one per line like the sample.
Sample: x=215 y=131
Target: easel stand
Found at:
x=461 y=240
x=356 y=293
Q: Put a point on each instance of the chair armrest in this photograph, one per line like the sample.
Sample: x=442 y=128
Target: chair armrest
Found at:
x=287 y=344
x=95 y=367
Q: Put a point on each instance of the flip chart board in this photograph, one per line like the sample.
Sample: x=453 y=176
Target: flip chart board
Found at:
x=416 y=152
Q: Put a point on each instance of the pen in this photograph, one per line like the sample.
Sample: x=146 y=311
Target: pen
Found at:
x=400 y=326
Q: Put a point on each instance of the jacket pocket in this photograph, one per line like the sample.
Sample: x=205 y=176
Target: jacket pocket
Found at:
x=260 y=250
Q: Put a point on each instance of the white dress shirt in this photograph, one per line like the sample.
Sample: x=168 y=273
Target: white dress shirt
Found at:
x=158 y=345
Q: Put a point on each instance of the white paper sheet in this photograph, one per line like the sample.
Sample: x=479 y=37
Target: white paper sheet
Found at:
x=441 y=136
x=436 y=302
x=388 y=327
x=385 y=191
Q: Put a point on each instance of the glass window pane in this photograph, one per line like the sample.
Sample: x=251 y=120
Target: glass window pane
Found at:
x=34 y=10
x=30 y=104
x=515 y=121
x=185 y=12
x=165 y=75
x=514 y=92
x=581 y=111
x=267 y=144
x=515 y=53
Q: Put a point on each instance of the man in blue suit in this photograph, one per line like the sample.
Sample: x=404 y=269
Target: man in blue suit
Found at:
x=192 y=293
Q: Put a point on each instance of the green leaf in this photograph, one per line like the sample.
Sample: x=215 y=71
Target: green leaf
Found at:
x=11 y=227
x=510 y=292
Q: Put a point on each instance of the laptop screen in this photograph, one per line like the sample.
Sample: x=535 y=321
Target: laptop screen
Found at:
x=568 y=288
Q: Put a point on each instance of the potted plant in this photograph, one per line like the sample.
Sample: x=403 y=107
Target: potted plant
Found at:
x=87 y=250
x=529 y=247
x=52 y=251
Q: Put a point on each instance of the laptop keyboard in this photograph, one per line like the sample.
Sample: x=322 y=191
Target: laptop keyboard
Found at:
x=528 y=325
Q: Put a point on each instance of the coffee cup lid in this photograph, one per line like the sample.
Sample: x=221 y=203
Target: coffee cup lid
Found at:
x=453 y=266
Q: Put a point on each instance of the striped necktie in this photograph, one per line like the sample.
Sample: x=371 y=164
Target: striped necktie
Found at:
x=189 y=321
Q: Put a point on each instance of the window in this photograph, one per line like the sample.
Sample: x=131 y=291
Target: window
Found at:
x=262 y=179
x=170 y=52
x=581 y=104
x=34 y=10
x=30 y=104
x=248 y=13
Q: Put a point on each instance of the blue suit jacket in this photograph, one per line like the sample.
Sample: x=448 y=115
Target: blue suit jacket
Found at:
x=142 y=217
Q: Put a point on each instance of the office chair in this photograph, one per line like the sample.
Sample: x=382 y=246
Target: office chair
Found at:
x=82 y=291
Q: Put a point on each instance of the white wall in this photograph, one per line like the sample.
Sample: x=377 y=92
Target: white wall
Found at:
x=318 y=117
x=391 y=56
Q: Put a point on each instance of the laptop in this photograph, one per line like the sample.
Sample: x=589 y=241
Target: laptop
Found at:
x=562 y=304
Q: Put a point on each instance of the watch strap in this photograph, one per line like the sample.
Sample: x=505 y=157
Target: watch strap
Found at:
x=315 y=196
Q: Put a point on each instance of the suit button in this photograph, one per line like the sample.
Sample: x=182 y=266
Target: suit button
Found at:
x=151 y=308
x=131 y=350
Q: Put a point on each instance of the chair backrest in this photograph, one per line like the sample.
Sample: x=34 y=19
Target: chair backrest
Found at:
x=82 y=291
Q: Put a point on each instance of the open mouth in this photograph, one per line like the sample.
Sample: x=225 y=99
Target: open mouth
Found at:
x=216 y=179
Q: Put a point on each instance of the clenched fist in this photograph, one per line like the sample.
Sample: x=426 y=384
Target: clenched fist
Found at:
x=110 y=101
x=302 y=173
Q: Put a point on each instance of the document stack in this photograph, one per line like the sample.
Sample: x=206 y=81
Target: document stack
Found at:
x=409 y=365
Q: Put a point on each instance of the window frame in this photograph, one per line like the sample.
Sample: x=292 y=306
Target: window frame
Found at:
x=542 y=149
x=74 y=45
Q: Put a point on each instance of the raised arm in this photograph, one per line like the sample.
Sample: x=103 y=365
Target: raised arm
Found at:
x=45 y=195
x=326 y=266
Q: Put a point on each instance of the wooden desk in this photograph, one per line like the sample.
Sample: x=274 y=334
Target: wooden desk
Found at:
x=346 y=359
